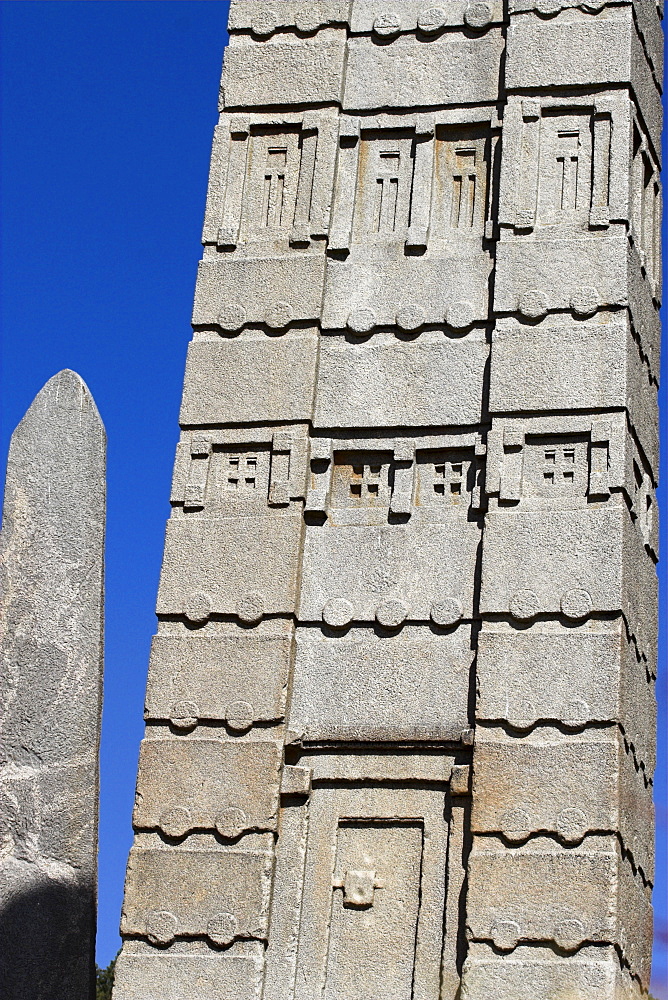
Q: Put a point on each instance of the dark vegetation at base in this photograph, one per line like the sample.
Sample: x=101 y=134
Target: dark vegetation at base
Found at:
x=104 y=981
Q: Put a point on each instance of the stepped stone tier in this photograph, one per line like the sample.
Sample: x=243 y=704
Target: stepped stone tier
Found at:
x=51 y=600
x=400 y=712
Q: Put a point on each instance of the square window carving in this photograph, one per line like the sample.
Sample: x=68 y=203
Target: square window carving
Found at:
x=556 y=467
x=361 y=480
x=444 y=479
x=239 y=476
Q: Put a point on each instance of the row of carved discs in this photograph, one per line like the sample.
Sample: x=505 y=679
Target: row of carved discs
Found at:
x=339 y=613
x=567 y=934
x=478 y=15
x=177 y=821
x=162 y=927
x=459 y=315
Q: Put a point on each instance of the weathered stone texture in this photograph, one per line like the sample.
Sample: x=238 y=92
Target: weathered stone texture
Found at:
x=408 y=604
x=51 y=565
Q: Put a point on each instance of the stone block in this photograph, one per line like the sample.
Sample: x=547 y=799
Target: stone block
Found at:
x=170 y=975
x=536 y=276
x=360 y=572
x=542 y=892
x=594 y=973
x=569 y=562
x=284 y=69
x=409 y=74
x=250 y=378
x=272 y=291
x=240 y=677
x=576 y=48
x=244 y=566
x=384 y=381
x=571 y=365
x=363 y=292
x=386 y=20
x=188 y=784
x=264 y=17
x=222 y=895
x=553 y=672
x=568 y=786
x=363 y=687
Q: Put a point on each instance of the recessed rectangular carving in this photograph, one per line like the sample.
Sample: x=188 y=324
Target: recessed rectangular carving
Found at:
x=384 y=184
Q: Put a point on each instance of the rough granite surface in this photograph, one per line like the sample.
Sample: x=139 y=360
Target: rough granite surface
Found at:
x=51 y=605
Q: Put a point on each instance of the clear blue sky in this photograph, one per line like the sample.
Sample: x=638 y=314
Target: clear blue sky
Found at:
x=108 y=110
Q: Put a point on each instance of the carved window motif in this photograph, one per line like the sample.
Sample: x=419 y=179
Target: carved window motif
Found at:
x=387 y=192
x=240 y=475
x=556 y=467
x=385 y=177
x=646 y=206
x=271 y=184
x=274 y=188
x=361 y=479
x=565 y=182
x=460 y=182
x=444 y=479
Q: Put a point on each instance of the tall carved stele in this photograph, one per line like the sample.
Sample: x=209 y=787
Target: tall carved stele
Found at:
x=400 y=709
x=51 y=605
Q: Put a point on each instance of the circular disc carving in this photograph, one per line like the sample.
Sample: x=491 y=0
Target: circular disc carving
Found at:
x=231 y=823
x=533 y=304
x=524 y=605
x=432 y=20
x=250 y=608
x=447 y=611
x=337 y=613
x=569 y=934
x=176 y=822
x=478 y=14
x=222 y=928
x=161 y=927
x=361 y=320
x=576 y=604
x=548 y=7
x=278 y=315
x=460 y=315
x=198 y=607
x=585 y=301
x=239 y=716
x=410 y=318
x=515 y=825
x=231 y=316
x=505 y=934
x=184 y=714
x=571 y=825
x=387 y=25
x=263 y=23
x=576 y=713
x=392 y=614
x=307 y=20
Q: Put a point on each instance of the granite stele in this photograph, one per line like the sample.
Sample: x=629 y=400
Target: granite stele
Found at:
x=400 y=708
x=51 y=568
